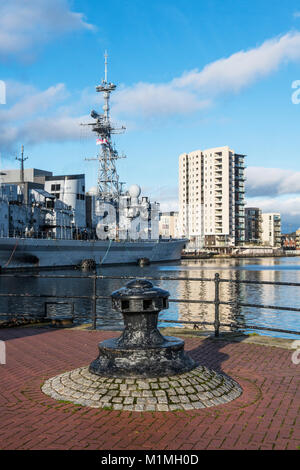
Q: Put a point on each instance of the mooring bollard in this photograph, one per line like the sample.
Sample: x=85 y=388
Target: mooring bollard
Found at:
x=141 y=350
x=143 y=370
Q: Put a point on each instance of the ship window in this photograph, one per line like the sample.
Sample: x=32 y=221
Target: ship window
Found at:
x=55 y=187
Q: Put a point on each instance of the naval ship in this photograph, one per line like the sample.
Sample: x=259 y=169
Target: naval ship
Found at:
x=124 y=226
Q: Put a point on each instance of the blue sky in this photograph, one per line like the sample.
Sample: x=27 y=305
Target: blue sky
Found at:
x=190 y=74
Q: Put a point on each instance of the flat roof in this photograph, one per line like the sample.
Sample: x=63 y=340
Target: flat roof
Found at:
x=65 y=177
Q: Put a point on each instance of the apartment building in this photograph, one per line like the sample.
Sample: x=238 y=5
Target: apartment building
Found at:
x=168 y=224
x=253 y=222
x=298 y=239
x=271 y=229
x=211 y=197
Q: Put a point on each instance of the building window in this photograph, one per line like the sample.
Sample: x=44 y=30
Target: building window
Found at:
x=55 y=187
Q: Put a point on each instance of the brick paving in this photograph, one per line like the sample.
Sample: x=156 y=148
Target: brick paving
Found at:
x=265 y=416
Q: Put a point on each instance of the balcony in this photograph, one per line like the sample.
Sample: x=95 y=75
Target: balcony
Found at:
x=240 y=165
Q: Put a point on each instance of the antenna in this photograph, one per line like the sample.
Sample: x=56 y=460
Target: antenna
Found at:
x=105 y=56
x=22 y=160
x=108 y=185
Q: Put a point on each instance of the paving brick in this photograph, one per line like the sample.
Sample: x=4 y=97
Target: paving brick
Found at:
x=265 y=416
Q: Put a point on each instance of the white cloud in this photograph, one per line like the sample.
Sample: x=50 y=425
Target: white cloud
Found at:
x=33 y=102
x=244 y=67
x=39 y=116
x=286 y=206
x=167 y=196
x=25 y=25
x=195 y=89
x=271 y=182
x=149 y=99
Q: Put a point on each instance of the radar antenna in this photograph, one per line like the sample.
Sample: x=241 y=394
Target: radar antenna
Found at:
x=108 y=185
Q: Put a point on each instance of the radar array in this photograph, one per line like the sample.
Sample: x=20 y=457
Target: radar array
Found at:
x=109 y=187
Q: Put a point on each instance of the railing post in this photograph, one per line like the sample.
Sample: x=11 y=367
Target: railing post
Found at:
x=217 y=304
x=94 y=302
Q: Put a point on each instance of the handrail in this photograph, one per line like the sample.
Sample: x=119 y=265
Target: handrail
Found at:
x=216 y=302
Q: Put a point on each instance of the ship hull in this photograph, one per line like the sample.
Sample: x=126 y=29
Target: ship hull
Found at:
x=42 y=253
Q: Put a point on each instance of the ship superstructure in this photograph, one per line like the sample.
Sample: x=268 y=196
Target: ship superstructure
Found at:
x=119 y=214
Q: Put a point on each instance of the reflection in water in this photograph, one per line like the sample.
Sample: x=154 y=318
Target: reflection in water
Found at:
x=259 y=269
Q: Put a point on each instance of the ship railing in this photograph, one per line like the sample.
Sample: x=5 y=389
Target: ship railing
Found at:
x=217 y=324
x=46 y=236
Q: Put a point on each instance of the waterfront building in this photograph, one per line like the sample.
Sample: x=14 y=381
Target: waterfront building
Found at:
x=298 y=239
x=288 y=241
x=253 y=222
x=211 y=198
x=271 y=229
x=168 y=224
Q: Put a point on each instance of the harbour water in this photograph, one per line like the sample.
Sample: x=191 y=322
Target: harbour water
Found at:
x=255 y=269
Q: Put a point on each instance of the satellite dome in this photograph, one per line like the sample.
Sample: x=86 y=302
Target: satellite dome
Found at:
x=134 y=190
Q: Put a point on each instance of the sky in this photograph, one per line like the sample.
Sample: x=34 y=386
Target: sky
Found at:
x=190 y=75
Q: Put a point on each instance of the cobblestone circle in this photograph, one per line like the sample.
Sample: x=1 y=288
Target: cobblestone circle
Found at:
x=199 y=388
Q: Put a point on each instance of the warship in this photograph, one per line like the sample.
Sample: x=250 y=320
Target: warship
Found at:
x=123 y=226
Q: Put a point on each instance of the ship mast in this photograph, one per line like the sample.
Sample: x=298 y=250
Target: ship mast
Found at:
x=109 y=187
x=22 y=159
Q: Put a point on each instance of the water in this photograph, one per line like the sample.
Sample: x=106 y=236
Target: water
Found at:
x=256 y=269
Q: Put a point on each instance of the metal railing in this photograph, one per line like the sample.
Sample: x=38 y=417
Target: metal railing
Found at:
x=217 y=302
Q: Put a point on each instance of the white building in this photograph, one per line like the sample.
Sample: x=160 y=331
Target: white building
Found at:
x=211 y=197
x=70 y=189
x=168 y=224
x=271 y=229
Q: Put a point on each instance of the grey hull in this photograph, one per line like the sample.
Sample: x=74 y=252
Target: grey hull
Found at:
x=28 y=252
